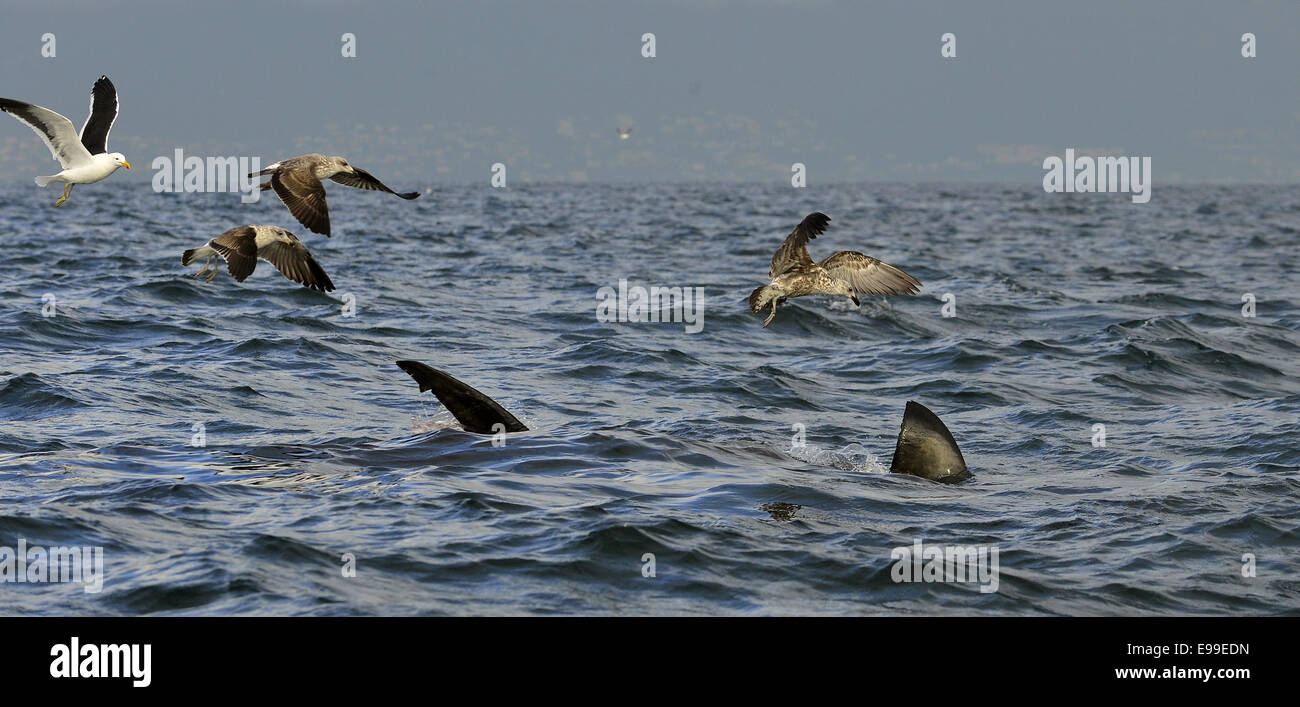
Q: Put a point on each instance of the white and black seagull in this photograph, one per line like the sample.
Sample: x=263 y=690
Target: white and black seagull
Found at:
x=846 y=273
x=242 y=246
x=297 y=182
x=85 y=157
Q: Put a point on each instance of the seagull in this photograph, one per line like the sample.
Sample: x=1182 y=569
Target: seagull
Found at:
x=794 y=274
x=624 y=133
x=241 y=247
x=85 y=158
x=297 y=182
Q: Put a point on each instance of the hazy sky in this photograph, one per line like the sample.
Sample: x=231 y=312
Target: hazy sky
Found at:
x=439 y=91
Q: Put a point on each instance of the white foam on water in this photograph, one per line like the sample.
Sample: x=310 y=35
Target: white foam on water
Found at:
x=853 y=457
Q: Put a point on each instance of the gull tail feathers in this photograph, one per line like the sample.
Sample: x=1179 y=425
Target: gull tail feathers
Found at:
x=760 y=298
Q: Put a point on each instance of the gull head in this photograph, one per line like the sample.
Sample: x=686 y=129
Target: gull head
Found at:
x=842 y=287
x=119 y=159
x=343 y=165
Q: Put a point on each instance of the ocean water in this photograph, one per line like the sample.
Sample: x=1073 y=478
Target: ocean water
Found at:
x=1071 y=311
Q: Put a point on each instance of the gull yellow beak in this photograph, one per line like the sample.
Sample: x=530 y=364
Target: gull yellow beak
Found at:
x=126 y=164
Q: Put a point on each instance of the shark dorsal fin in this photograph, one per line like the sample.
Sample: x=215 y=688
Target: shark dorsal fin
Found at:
x=926 y=448
x=474 y=411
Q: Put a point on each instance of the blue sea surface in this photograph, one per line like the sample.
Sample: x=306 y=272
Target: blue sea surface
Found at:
x=1071 y=311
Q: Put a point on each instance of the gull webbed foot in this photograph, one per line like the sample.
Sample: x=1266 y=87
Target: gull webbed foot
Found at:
x=207 y=267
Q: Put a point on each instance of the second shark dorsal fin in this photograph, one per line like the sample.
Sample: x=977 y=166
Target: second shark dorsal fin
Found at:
x=474 y=411
x=926 y=448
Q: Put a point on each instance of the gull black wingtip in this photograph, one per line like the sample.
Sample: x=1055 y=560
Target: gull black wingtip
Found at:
x=926 y=448
x=474 y=411
x=816 y=223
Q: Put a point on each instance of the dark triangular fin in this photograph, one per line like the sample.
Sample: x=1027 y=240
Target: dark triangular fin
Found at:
x=926 y=448
x=474 y=411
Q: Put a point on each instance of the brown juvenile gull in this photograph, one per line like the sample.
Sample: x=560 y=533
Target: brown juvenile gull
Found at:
x=794 y=274
x=297 y=182
x=242 y=246
x=85 y=157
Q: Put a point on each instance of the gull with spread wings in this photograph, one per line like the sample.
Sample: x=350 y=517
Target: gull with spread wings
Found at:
x=846 y=273
x=297 y=182
x=241 y=247
x=85 y=157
